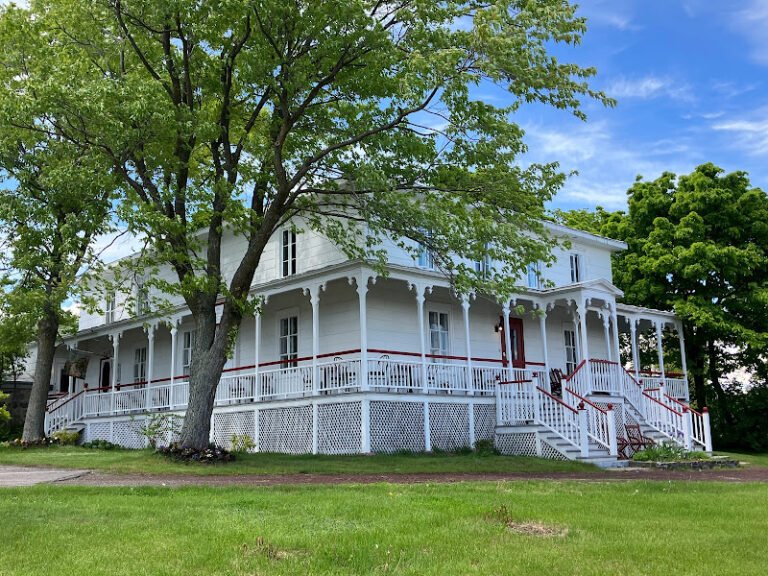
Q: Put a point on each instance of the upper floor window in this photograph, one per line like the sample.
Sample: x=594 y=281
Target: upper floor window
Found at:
x=289 y=341
x=109 y=308
x=534 y=275
x=425 y=258
x=483 y=267
x=288 y=252
x=142 y=300
x=438 y=333
x=577 y=271
x=140 y=365
x=187 y=343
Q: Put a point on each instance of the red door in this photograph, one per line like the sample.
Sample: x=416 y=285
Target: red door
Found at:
x=517 y=341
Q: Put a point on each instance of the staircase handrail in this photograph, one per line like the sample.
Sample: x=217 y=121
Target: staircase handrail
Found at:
x=699 y=424
x=567 y=422
x=601 y=423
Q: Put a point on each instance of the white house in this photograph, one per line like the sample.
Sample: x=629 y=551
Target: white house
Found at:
x=342 y=360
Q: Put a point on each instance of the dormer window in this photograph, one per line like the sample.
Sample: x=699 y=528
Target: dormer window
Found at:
x=483 y=267
x=288 y=253
x=577 y=271
x=425 y=258
x=109 y=308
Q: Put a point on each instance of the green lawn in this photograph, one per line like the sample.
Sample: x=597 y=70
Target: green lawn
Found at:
x=145 y=462
x=752 y=459
x=632 y=528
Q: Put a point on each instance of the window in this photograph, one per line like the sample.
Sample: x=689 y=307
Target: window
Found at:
x=534 y=275
x=142 y=300
x=140 y=365
x=438 y=333
x=576 y=267
x=425 y=258
x=483 y=267
x=187 y=343
x=109 y=308
x=570 y=351
x=289 y=341
x=288 y=252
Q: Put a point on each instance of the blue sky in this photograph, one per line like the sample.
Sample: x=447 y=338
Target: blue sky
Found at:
x=689 y=77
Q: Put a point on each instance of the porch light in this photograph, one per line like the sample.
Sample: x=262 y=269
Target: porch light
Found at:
x=498 y=327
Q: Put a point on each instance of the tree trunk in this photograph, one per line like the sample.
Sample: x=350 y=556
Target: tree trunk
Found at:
x=47 y=332
x=714 y=376
x=209 y=355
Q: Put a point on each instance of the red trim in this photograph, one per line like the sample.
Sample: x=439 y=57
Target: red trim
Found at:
x=654 y=373
x=587 y=401
x=676 y=401
x=516 y=382
x=662 y=404
x=67 y=401
x=572 y=374
x=535 y=363
x=603 y=361
x=556 y=399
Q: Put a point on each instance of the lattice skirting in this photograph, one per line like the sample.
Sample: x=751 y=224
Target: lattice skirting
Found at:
x=97 y=431
x=286 y=430
x=517 y=443
x=339 y=428
x=449 y=425
x=397 y=426
x=485 y=421
x=549 y=451
x=228 y=425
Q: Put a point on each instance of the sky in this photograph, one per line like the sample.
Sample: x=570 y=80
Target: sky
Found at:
x=690 y=80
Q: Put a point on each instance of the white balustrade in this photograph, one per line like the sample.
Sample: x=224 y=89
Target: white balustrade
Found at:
x=447 y=378
x=601 y=425
x=484 y=379
x=283 y=383
x=339 y=376
x=386 y=375
x=515 y=402
x=559 y=417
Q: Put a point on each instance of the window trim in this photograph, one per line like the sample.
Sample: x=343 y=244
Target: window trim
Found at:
x=578 y=272
x=570 y=330
x=142 y=299
x=287 y=253
x=192 y=333
x=535 y=268
x=437 y=309
x=283 y=315
x=140 y=364
x=110 y=304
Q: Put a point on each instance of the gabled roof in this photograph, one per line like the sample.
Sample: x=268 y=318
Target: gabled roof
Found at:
x=586 y=237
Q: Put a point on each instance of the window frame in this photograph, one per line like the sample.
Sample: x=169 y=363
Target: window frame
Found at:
x=289 y=359
x=142 y=300
x=140 y=364
x=110 y=301
x=287 y=252
x=187 y=345
x=446 y=351
x=570 y=365
x=576 y=265
x=533 y=271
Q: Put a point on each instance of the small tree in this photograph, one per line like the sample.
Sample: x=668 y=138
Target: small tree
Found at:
x=360 y=118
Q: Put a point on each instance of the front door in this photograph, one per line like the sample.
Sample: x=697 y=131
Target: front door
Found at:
x=517 y=342
x=104 y=379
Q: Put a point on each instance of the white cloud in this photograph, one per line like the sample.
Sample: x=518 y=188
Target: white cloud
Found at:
x=752 y=22
x=649 y=87
x=608 y=13
x=748 y=133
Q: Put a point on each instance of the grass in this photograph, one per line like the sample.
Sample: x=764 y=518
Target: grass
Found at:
x=536 y=527
x=146 y=462
x=753 y=459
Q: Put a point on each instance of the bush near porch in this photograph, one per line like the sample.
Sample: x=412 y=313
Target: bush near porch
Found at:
x=562 y=528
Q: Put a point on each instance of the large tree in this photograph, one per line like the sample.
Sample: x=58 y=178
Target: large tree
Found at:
x=363 y=118
x=697 y=244
x=54 y=202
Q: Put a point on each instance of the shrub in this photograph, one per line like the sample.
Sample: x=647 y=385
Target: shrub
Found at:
x=211 y=455
x=242 y=443
x=101 y=445
x=66 y=437
x=485 y=448
x=667 y=453
x=157 y=426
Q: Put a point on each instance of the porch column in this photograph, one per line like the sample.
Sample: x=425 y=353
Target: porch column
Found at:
x=660 y=352
x=362 y=297
x=465 y=310
x=607 y=333
x=576 y=332
x=585 y=340
x=314 y=300
x=683 y=361
x=116 y=356
x=507 y=341
x=635 y=354
x=256 y=354
x=615 y=322
x=174 y=333
x=150 y=363
x=420 y=291
x=543 y=330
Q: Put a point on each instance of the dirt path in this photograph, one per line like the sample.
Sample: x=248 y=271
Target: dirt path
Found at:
x=252 y=480
x=15 y=476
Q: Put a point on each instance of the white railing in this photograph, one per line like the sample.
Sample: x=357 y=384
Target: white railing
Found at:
x=64 y=411
x=601 y=423
x=485 y=379
x=562 y=419
x=339 y=376
x=677 y=388
x=235 y=389
x=698 y=428
x=447 y=378
x=664 y=418
x=386 y=375
x=515 y=402
x=282 y=383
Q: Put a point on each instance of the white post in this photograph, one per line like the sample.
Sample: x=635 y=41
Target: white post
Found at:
x=707 y=430
x=256 y=356
x=543 y=330
x=315 y=425
x=471 y=423
x=687 y=426
x=507 y=341
x=607 y=333
x=362 y=293
x=576 y=334
x=150 y=365
x=116 y=361
x=635 y=353
x=422 y=338
x=585 y=343
x=683 y=361
x=584 y=431
x=613 y=444
x=365 y=425
x=470 y=380
x=174 y=333
x=615 y=322
x=660 y=352
x=427 y=431
x=314 y=299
